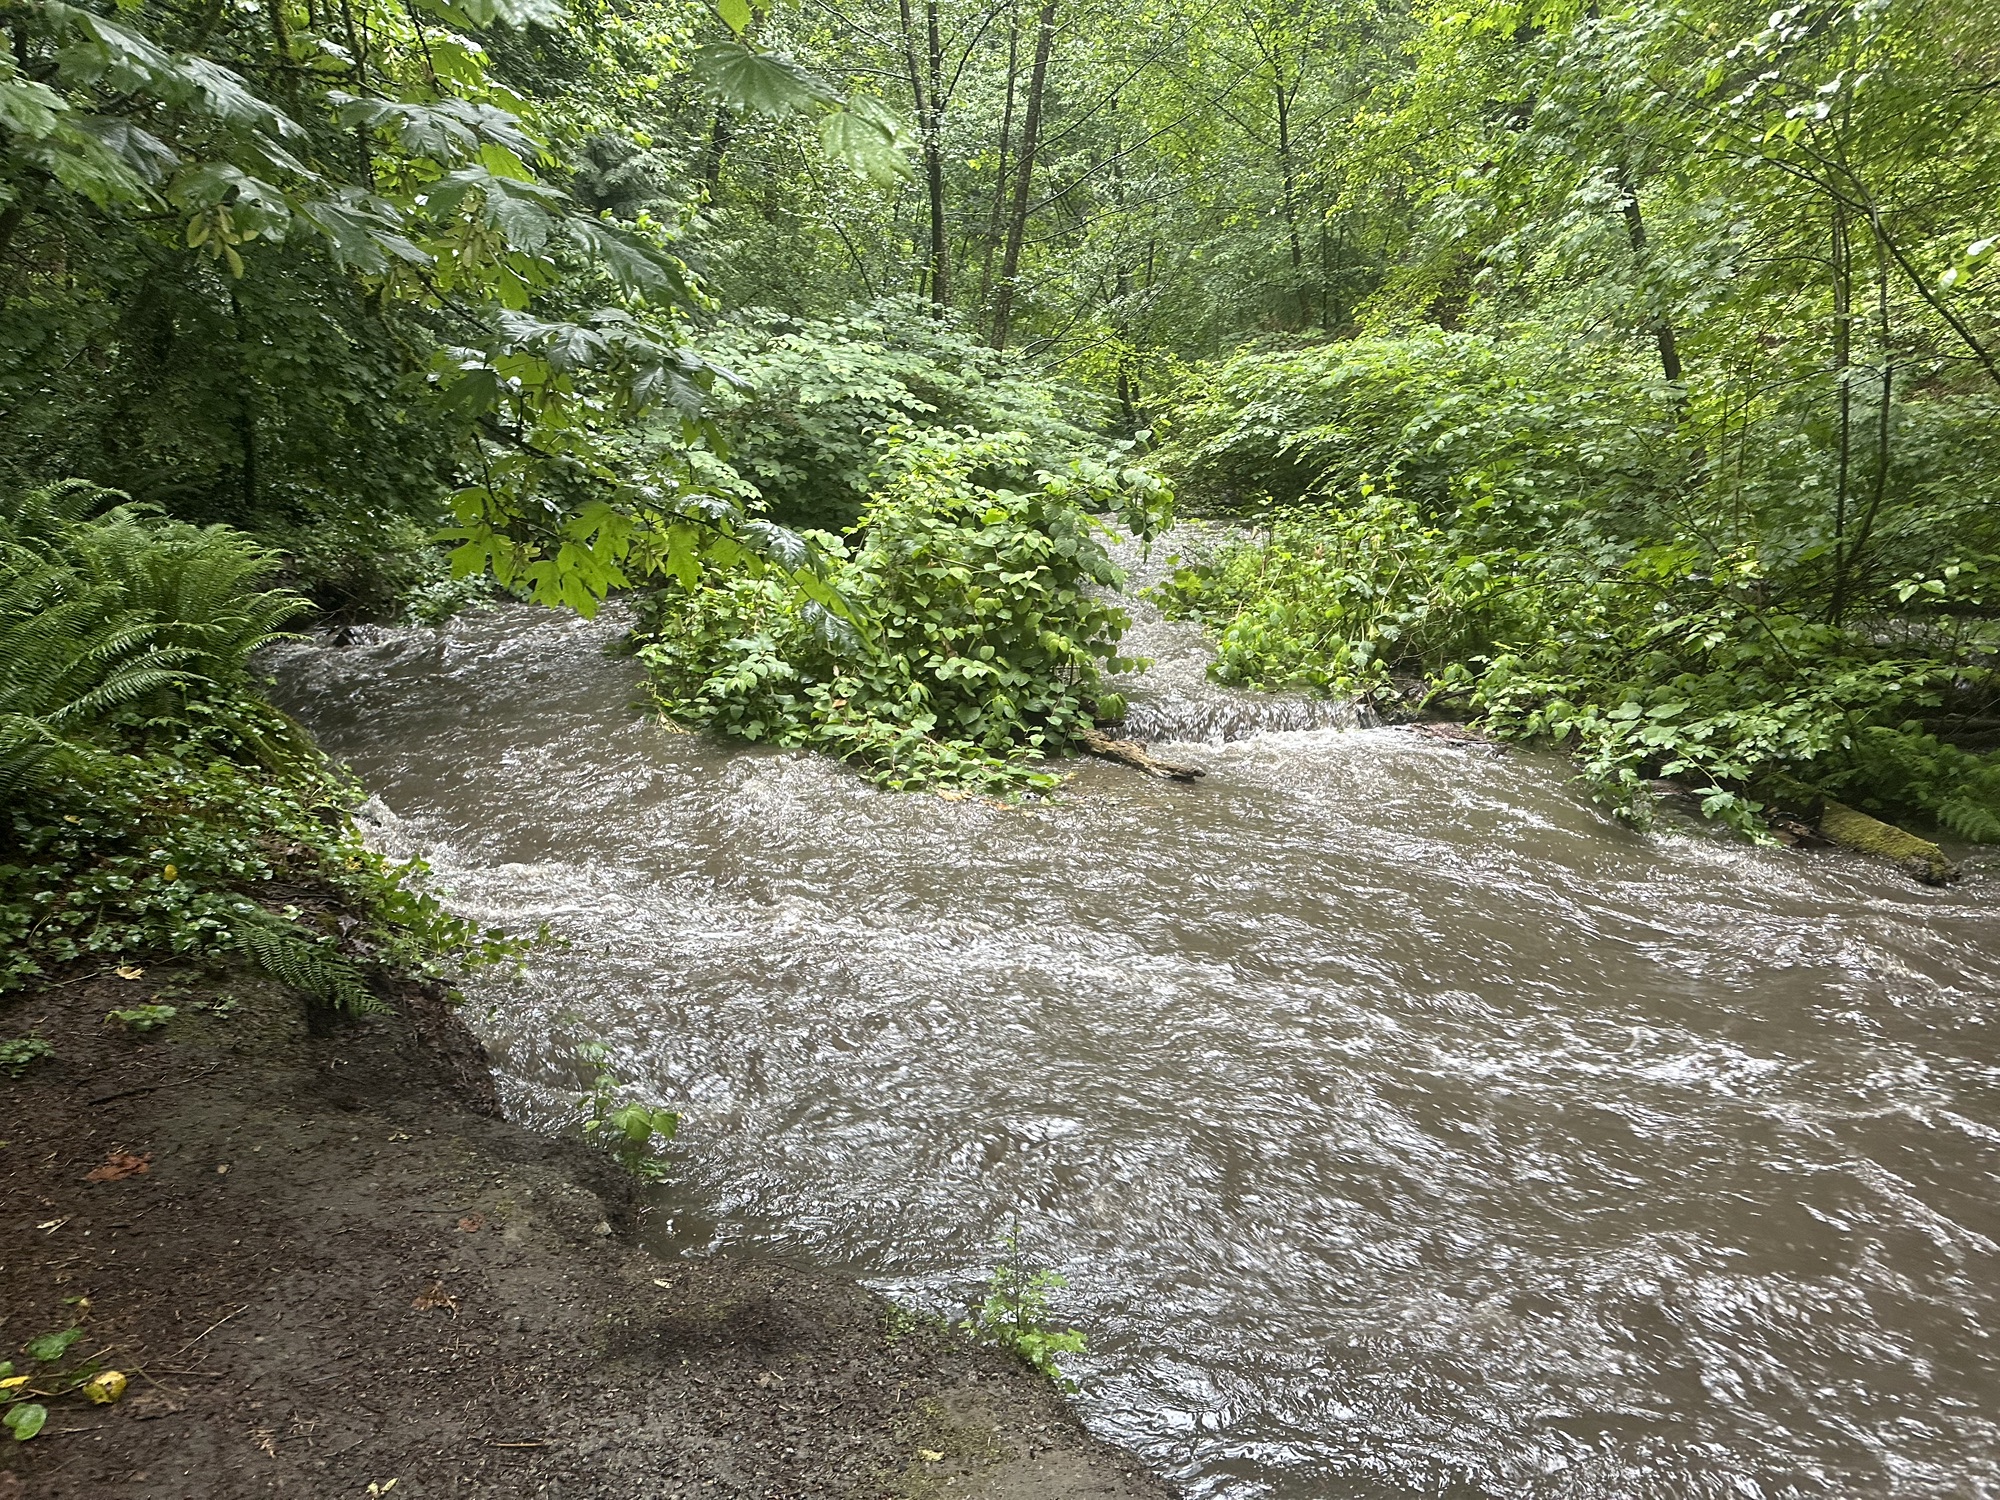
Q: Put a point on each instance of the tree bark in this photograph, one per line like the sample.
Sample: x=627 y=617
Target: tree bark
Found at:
x=720 y=133
x=1289 y=174
x=996 y=219
x=1879 y=490
x=1843 y=359
x=1635 y=230
x=926 y=84
x=1024 y=177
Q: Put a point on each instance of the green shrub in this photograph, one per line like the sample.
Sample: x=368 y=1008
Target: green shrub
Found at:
x=978 y=581
x=1346 y=601
x=1668 y=662
x=1674 y=665
x=817 y=397
x=155 y=803
x=1506 y=436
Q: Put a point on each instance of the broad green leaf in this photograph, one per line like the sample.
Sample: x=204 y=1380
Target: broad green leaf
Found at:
x=50 y=1347
x=767 y=83
x=25 y=1420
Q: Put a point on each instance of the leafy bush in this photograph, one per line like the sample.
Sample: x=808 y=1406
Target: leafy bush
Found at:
x=1507 y=434
x=1348 y=601
x=817 y=396
x=155 y=803
x=1673 y=665
x=976 y=579
x=1667 y=662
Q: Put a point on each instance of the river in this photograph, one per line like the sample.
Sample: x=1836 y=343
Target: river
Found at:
x=1402 y=1125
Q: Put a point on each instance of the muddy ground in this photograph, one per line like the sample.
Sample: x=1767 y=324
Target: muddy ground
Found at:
x=339 y=1268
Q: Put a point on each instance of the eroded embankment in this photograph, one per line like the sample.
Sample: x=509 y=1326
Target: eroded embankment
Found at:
x=339 y=1267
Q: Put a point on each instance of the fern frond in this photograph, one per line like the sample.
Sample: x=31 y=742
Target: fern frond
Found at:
x=289 y=955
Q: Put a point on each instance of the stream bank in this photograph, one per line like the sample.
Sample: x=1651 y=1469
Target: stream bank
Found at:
x=340 y=1267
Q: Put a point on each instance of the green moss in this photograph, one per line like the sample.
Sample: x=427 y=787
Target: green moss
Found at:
x=1857 y=831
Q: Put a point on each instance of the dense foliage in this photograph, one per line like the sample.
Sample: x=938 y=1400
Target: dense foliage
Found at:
x=1627 y=375
x=811 y=400
x=156 y=804
x=337 y=273
x=979 y=582
x=1678 y=401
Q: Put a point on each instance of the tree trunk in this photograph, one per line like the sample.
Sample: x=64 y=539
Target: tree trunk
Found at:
x=925 y=83
x=1024 y=177
x=1635 y=229
x=997 y=218
x=1880 y=489
x=720 y=133
x=1289 y=173
x=1843 y=359
x=246 y=413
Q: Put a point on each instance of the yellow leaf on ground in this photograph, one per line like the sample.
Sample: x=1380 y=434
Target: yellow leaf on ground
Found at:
x=129 y=971
x=105 y=1387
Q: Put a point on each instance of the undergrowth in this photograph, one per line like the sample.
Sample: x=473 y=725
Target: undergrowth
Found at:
x=1651 y=662
x=156 y=804
x=982 y=637
x=1016 y=1315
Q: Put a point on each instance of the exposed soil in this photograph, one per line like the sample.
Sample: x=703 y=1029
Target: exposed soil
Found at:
x=340 y=1268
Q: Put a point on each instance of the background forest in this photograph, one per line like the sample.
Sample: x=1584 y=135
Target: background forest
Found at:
x=1621 y=376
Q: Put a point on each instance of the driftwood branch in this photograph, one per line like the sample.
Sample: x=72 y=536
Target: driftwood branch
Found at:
x=1132 y=753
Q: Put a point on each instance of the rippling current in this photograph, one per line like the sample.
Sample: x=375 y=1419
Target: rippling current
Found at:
x=1403 y=1126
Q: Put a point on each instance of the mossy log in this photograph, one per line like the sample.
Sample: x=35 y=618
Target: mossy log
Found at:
x=1856 y=830
x=1132 y=753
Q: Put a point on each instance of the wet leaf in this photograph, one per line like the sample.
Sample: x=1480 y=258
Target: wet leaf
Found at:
x=25 y=1421
x=120 y=1165
x=105 y=1387
x=51 y=1347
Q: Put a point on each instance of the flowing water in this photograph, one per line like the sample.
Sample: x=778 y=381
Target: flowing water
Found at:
x=1402 y=1126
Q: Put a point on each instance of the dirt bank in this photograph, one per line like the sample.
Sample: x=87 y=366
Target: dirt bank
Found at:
x=339 y=1268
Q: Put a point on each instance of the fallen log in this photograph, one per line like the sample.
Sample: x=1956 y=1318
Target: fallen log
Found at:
x=1855 y=830
x=1132 y=753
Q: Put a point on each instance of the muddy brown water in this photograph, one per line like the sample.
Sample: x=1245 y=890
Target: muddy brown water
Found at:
x=1403 y=1126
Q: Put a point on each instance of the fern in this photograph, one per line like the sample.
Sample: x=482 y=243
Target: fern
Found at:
x=1970 y=819
x=283 y=950
x=104 y=612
